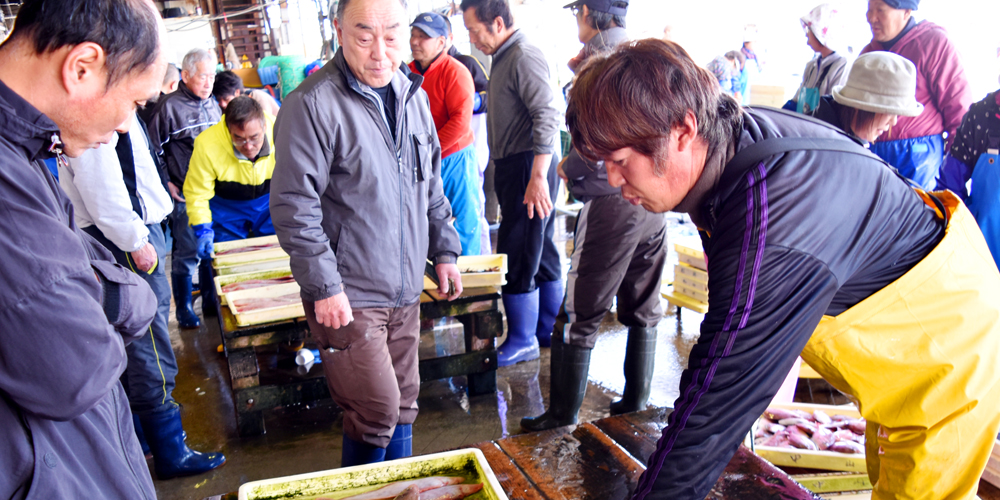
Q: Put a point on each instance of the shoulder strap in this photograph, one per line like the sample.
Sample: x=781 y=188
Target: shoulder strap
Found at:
x=761 y=150
x=822 y=75
x=127 y=162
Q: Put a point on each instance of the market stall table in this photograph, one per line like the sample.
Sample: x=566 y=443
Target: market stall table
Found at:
x=603 y=460
x=477 y=311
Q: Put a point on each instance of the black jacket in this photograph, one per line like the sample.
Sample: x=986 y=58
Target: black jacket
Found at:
x=67 y=313
x=479 y=78
x=802 y=234
x=176 y=120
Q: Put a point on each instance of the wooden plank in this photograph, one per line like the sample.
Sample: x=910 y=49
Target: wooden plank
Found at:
x=578 y=464
x=636 y=442
x=515 y=484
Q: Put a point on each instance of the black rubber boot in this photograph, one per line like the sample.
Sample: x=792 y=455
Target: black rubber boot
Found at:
x=206 y=287
x=171 y=456
x=568 y=385
x=640 y=354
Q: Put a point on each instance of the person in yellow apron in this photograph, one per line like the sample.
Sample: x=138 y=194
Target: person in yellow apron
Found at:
x=814 y=246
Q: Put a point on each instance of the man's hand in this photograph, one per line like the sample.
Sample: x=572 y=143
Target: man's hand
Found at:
x=175 y=192
x=449 y=277
x=206 y=240
x=537 y=197
x=144 y=258
x=560 y=171
x=335 y=312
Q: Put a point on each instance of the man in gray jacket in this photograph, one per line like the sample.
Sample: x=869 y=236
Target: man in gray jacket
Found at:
x=357 y=202
x=523 y=126
x=618 y=250
x=71 y=73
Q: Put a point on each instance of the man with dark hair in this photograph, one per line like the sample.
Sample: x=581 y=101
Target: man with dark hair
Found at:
x=619 y=250
x=177 y=119
x=523 y=131
x=120 y=200
x=229 y=85
x=450 y=93
x=71 y=74
x=816 y=247
x=229 y=181
x=358 y=206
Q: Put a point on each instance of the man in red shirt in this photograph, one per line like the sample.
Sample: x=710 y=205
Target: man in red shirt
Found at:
x=450 y=90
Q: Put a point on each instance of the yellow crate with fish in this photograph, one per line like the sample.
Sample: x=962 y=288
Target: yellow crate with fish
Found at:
x=250 y=280
x=252 y=267
x=450 y=475
x=478 y=271
x=811 y=436
x=263 y=248
x=266 y=304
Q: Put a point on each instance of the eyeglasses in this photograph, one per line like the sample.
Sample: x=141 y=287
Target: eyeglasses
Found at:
x=254 y=139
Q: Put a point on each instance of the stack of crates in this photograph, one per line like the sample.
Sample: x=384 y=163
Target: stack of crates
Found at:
x=690 y=285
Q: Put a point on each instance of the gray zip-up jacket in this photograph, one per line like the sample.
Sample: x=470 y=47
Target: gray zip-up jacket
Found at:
x=357 y=210
x=67 y=311
x=522 y=116
x=587 y=179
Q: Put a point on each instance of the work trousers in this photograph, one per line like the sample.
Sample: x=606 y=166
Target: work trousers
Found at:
x=184 y=259
x=532 y=257
x=152 y=367
x=372 y=371
x=459 y=178
x=619 y=250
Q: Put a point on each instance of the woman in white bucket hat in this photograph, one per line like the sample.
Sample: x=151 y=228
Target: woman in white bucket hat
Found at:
x=880 y=88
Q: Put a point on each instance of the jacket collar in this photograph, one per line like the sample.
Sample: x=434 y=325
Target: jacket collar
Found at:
x=435 y=63
x=515 y=38
x=26 y=127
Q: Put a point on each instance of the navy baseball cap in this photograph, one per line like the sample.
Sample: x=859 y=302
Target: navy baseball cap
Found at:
x=431 y=23
x=602 y=6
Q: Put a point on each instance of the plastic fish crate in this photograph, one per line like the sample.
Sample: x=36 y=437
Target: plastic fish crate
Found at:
x=246 y=257
x=340 y=483
x=229 y=279
x=266 y=315
x=824 y=460
x=476 y=271
x=250 y=267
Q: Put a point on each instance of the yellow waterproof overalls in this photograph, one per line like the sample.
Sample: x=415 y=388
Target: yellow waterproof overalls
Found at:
x=920 y=357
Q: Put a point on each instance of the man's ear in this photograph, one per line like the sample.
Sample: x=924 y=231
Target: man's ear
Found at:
x=498 y=25
x=686 y=132
x=83 y=69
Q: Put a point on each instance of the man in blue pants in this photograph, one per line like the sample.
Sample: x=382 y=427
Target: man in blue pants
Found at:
x=120 y=200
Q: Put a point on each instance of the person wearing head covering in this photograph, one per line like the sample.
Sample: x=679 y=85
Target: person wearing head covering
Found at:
x=975 y=156
x=727 y=69
x=879 y=89
x=825 y=70
x=916 y=145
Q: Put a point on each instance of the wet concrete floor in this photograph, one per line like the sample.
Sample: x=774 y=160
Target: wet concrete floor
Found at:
x=308 y=438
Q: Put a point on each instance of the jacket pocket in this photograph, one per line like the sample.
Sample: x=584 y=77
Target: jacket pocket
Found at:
x=423 y=150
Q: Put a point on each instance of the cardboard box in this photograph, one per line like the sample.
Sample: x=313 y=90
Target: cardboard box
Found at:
x=339 y=483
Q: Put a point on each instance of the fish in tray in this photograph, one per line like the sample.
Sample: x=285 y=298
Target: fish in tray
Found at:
x=249 y=284
x=251 y=248
x=243 y=306
x=428 y=488
x=801 y=429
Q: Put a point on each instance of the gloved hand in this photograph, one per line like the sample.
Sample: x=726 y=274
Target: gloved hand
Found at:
x=206 y=239
x=477 y=102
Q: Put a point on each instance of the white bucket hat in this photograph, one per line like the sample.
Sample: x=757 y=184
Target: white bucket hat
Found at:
x=819 y=21
x=881 y=82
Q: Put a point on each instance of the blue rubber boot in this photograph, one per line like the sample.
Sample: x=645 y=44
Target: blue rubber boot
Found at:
x=186 y=318
x=142 y=437
x=360 y=453
x=171 y=456
x=550 y=299
x=401 y=445
x=522 y=321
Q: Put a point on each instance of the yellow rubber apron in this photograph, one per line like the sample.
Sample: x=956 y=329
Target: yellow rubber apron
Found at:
x=920 y=357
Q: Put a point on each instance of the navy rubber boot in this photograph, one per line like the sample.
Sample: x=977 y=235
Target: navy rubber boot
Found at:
x=640 y=357
x=142 y=437
x=401 y=445
x=522 y=320
x=550 y=300
x=360 y=453
x=171 y=456
x=206 y=286
x=186 y=318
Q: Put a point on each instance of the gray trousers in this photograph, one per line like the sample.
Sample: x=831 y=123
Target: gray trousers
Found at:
x=618 y=250
x=373 y=373
x=152 y=367
x=184 y=259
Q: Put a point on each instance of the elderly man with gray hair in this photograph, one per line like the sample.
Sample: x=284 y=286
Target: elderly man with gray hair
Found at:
x=357 y=202
x=177 y=119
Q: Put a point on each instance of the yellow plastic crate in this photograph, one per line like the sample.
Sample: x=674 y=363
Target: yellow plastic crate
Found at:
x=686 y=271
x=824 y=460
x=221 y=281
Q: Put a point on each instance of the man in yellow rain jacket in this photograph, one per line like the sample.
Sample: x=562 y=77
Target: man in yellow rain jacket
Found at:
x=814 y=246
x=228 y=182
